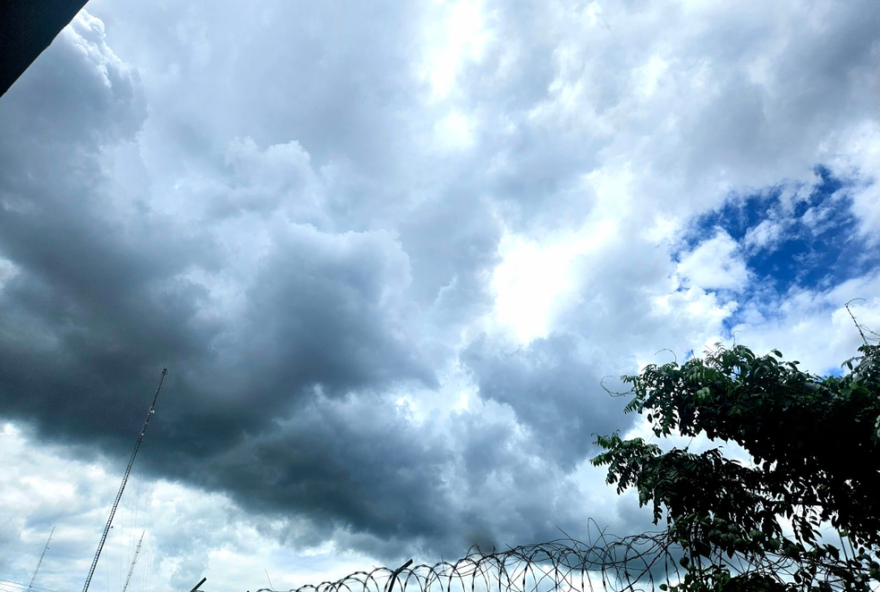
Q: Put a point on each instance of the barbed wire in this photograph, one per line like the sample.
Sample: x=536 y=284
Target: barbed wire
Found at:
x=605 y=563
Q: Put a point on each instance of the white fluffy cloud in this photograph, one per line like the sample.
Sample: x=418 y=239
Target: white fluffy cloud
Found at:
x=715 y=264
x=764 y=236
x=860 y=161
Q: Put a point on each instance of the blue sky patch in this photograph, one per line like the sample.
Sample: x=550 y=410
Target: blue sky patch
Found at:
x=791 y=239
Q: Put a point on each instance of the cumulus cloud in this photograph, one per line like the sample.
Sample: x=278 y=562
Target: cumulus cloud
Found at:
x=765 y=235
x=554 y=390
x=715 y=264
x=859 y=163
x=812 y=326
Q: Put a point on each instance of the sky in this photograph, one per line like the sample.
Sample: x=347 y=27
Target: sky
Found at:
x=388 y=252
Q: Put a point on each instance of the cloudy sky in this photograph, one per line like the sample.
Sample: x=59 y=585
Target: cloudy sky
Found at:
x=388 y=251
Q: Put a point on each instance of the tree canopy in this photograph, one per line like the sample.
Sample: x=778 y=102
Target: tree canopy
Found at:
x=803 y=513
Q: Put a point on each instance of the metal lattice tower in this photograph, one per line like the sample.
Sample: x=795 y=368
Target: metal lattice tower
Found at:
x=124 y=481
x=133 y=561
x=40 y=562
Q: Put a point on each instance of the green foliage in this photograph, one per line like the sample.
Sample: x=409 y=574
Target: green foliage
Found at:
x=815 y=443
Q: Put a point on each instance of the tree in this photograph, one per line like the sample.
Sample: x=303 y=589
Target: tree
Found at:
x=815 y=449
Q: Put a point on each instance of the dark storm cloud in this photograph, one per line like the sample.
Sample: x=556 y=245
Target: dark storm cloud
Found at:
x=452 y=242
x=327 y=309
x=553 y=389
x=98 y=305
x=285 y=399
x=88 y=295
x=355 y=464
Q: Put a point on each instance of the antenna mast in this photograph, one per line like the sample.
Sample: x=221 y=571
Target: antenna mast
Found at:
x=124 y=481
x=40 y=562
x=133 y=561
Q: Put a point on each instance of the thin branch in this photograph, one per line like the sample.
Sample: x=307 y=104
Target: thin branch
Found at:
x=674 y=357
x=859 y=327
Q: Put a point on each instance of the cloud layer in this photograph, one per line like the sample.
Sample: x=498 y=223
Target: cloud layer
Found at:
x=389 y=254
